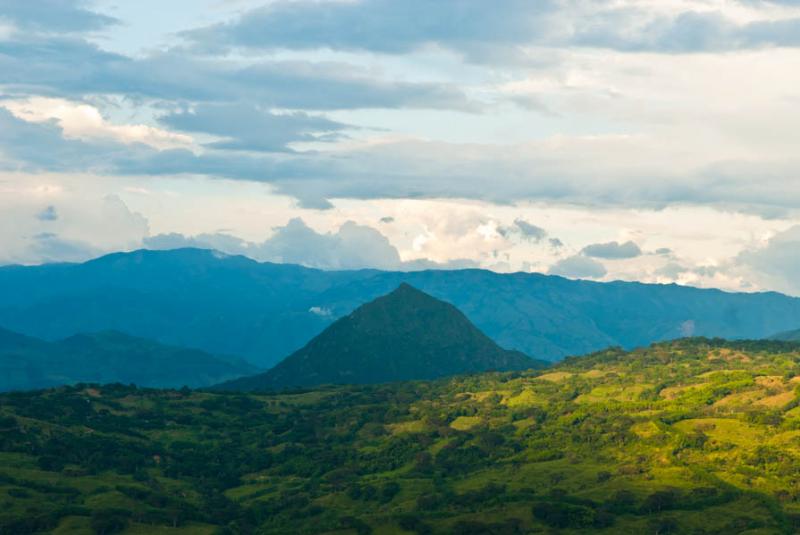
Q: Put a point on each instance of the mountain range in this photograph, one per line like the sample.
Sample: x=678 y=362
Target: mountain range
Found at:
x=405 y=335
x=232 y=305
x=28 y=363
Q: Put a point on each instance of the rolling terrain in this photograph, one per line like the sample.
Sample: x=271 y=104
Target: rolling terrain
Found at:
x=231 y=305
x=691 y=436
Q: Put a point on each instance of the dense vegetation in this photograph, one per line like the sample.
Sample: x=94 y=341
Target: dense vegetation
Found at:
x=28 y=363
x=694 y=436
x=231 y=305
x=405 y=335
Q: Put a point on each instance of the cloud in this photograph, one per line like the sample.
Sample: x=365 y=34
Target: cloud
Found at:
x=217 y=241
x=248 y=127
x=612 y=250
x=671 y=271
x=54 y=15
x=321 y=311
x=50 y=247
x=776 y=264
x=85 y=122
x=82 y=227
x=351 y=246
x=48 y=214
x=595 y=171
x=383 y=26
x=72 y=67
x=578 y=267
x=41 y=146
x=685 y=32
x=527 y=231
x=485 y=32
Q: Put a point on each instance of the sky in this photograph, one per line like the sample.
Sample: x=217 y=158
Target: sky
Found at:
x=642 y=140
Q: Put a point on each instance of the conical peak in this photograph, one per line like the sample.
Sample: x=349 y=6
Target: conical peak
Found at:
x=404 y=296
x=406 y=289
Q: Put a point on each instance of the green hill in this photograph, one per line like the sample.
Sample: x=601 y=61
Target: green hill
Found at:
x=404 y=335
x=693 y=436
x=108 y=357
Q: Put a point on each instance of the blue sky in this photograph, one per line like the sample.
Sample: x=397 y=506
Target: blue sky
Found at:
x=627 y=139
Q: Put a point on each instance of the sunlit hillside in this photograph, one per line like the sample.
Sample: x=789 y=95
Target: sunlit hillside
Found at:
x=694 y=436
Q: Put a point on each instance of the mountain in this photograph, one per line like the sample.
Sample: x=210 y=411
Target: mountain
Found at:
x=108 y=357
x=231 y=305
x=787 y=336
x=688 y=437
x=404 y=335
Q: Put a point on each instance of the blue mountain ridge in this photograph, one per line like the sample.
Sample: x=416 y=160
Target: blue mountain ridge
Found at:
x=263 y=311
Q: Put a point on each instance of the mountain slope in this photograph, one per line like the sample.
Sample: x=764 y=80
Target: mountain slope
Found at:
x=787 y=336
x=231 y=305
x=108 y=357
x=404 y=335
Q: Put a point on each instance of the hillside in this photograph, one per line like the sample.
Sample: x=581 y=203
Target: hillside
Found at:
x=230 y=305
x=788 y=336
x=404 y=335
x=108 y=357
x=693 y=436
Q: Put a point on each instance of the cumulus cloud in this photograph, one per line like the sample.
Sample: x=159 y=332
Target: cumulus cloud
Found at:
x=83 y=226
x=217 y=241
x=578 y=267
x=612 y=250
x=351 y=246
x=776 y=264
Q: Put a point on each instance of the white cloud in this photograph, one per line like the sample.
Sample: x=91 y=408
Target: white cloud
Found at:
x=85 y=122
x=48 y=222
x=775 y=264
x=578 y=267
